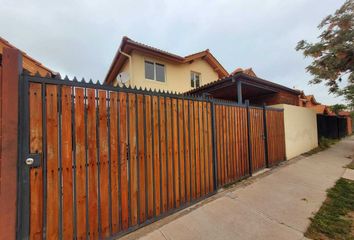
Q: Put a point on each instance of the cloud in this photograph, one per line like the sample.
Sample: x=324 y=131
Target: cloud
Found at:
x=81 y=37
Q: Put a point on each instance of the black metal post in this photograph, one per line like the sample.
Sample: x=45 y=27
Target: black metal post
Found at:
x=239 y=92
x=265 y=135
x=249 y=137
x=214 y=145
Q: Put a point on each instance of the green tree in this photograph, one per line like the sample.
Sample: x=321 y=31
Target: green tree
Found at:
x=336 y=108
x=348 y=93
x=333 y=54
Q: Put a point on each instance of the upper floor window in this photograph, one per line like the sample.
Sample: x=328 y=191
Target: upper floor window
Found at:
x=155 y=71
x=195 y=79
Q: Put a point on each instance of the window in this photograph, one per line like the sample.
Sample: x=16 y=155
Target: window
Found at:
x=154 y=71
x=195 y=79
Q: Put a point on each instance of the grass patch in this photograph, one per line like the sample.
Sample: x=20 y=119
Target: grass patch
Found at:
x=335 y=219
x=351 y=165
x=323 y=144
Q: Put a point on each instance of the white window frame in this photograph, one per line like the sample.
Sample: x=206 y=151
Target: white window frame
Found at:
x=155 y=63
x=194 y=73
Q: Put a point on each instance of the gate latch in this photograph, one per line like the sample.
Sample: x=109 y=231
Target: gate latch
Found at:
x=33 y=160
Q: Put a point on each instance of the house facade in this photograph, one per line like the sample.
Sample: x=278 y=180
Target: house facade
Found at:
x=147 y=67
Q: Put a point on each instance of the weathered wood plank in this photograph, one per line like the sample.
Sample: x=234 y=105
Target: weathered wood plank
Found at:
x=104 y=167
x=92 y=163
x=113 y=134
x=123 y=140
x=163 y=145
x=175 y=153
x=80 y=163
x=36 y=174
x=67 y=163
x=181 y=150
x=197 y=148
x=156 y=154
x=141 y=158
x=169 y=154
x=133 y=161
x=149 y=155
x=187 y=152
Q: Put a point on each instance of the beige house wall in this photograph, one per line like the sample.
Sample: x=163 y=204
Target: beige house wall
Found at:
x=300 y=129
x=177 y=75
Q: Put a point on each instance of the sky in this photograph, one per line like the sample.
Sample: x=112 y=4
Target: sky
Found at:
x=80 y=38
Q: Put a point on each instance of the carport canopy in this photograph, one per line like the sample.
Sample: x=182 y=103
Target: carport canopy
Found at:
x=240 y=87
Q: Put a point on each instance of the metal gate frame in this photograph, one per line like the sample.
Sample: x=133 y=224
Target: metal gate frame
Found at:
x=27 y=160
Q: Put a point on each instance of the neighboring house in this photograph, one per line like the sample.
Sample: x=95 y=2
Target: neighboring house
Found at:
x=309 y=101
x=28 y=63
x=349 y=121
x=248 y=71
x=149 y=67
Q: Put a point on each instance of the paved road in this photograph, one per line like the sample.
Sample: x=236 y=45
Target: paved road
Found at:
x=275 y=205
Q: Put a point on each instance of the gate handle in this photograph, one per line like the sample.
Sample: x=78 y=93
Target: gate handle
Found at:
x=34 y=160
x=29 y=161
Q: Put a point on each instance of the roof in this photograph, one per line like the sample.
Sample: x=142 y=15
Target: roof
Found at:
x=321 y=109
x=344 y=113
x=38 y=64
x=248 y=71
x=127 y=45
x=247 y=79
x=311 y=98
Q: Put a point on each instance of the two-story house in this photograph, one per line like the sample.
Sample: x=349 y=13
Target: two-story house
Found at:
x=149 y=67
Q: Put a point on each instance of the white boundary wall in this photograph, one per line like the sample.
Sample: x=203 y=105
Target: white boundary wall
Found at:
x=300 y=129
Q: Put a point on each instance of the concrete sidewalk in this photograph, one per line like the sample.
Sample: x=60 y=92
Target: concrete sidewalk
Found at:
x=274 y=205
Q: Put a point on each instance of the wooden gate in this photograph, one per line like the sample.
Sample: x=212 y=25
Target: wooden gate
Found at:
x=103 y=161
x=257 y=137
x=246 y=136
x=231 y=143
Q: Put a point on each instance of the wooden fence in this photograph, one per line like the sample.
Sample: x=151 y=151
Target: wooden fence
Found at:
x=275 y=136
x=109 y=160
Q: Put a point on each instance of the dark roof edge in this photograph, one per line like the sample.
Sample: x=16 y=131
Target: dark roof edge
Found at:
x=243 y=75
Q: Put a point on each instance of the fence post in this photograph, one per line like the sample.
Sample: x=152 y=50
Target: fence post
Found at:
x=215 y=165
x=11 y=69
x=265 y=134
x=249 y=137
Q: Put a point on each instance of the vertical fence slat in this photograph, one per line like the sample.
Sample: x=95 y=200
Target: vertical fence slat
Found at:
x=103 y=166
x=133 y=160
x=52 y=162
x=114 y=160
x=206 y=147
x=210 y=149
x=192 y=149
x=218 y=142
x=150 y=177
x=175 y=152
x=123 y=140
x=67 y=164
x=187 y=151
x=80 y=163
x=197 y=147
x=181 y=150
x=36 y=176
x=169 y=153
x=201 y=148
x=156 y=155
x=141 y=158
x=163 y=159
x=92 y=164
